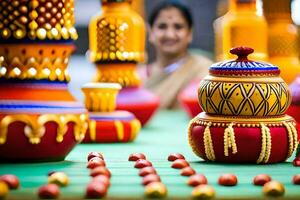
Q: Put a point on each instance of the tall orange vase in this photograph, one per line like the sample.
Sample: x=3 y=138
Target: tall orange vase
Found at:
x=117 y=44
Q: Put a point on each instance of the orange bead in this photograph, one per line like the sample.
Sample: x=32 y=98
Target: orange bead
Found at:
x=136 y=156
x=197 y=179
x=180 y=163
x=228 y=180
x=175 y=156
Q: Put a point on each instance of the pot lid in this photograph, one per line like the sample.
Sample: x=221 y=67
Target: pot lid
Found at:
x=242 y=66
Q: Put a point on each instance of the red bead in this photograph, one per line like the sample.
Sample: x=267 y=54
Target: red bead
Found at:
x=175 y=156
x=49 y=191
x=180 y=163
x=95 y=162
x=100 y=171
x=296 y=179
x=147 y=170
x=197 y=179
x=11 y=180
x=187 y=171
x=228 y=180
x=94 y=154
x=141 y=163
x=96 y=190
x=136 y=156
x=150 y=178
x=261 y=179
x=296 y=162
x=102 y=179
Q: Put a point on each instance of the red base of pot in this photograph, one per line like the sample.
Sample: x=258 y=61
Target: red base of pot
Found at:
x=138 y=101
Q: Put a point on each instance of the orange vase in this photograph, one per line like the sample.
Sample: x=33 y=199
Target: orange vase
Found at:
x=242 y=26
x=283 y=38
x=39 y=118
x=117 y=43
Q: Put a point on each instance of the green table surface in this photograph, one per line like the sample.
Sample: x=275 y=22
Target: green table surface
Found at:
x=165 y=134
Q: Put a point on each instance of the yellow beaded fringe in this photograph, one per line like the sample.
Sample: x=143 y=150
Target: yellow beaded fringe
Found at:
x=229 y=140
x=208 y=145
x=293 y=138
x=266 y=144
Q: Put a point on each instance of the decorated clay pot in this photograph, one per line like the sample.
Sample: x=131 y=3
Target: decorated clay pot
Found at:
x=106 y=124
x=244 y=104
x=39 y=118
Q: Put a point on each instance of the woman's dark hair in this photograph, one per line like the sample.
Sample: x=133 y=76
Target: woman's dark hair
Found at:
x=185 y=11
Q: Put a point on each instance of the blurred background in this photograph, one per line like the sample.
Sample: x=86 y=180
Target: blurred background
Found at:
x=204 y=13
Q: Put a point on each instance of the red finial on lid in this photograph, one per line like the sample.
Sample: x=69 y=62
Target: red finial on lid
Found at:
x=242 y=52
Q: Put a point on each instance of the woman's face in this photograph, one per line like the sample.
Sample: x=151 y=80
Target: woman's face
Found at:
x=170 y=33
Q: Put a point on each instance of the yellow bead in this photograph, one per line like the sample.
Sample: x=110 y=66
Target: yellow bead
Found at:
x=54 y=33
x=155 y=190
x=33 y=14
x=59 y=178
x=19 y=34
x=273 y=188
x=33 y=25
x=41 y=33
x=6 y=33
x=203 y=192
x=4 y=189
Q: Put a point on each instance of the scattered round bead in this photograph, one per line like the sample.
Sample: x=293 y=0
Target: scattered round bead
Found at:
x=4 y=189
x=147 y=170
x=203 y=192
x=273 y=188
x=141 y=163
x=49 y=191
x=155 y=190
x=59 y=178
x=296 y=179
x=95 y=190
x=94 y=154
x=136 y=156
x=187 y=171
x=180 y=163
x=150 y=178
x=228 y=180
x=100 y=171
x=102 y=179
x=11 y=180
x=296 y=162
x=197 y=179
x=175 y=156
x=261 y=179
x=95 y=162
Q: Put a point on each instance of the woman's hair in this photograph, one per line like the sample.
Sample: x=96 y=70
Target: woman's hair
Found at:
x=185 y=11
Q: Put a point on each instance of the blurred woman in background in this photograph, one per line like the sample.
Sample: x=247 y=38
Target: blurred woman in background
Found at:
x=170 y=32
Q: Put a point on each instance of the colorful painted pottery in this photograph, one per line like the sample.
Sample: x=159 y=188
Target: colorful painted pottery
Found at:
x=188 y=99
x=241 y=25
x=39 y=118
x=244 y=104
x=117 y=43
x=283 y=38
x=107 y=124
